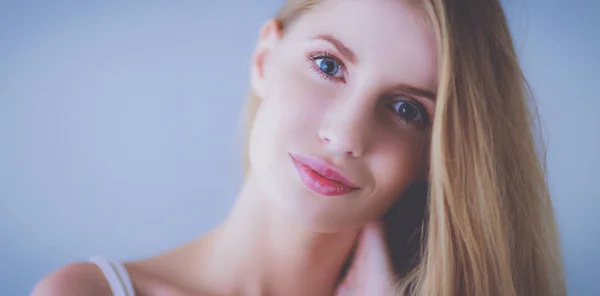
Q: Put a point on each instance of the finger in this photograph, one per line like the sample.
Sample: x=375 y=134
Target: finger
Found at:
x=373 y=263
x=372 y=252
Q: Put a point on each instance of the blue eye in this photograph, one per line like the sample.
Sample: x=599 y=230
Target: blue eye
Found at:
x=328 y=65
x=410 y=112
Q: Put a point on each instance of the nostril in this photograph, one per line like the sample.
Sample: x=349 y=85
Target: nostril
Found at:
x=324 y=137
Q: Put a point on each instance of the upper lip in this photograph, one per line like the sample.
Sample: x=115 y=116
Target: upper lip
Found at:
x=324 y=169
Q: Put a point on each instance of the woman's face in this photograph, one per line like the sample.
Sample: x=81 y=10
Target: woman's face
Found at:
x=347 y=103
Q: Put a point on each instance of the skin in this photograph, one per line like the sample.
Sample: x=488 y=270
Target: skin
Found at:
x=362 y=117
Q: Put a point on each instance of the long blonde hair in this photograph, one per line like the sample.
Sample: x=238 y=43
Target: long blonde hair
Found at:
x=487 y=221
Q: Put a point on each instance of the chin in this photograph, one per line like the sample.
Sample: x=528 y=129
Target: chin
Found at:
x=319 y=213
x=324 y=214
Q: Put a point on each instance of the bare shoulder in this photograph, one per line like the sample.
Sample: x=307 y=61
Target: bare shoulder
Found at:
x=80 y=278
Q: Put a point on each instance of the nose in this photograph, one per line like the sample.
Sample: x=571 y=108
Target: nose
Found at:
x=344 y=132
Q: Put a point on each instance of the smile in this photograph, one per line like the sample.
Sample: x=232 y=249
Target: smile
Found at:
x=322 y=178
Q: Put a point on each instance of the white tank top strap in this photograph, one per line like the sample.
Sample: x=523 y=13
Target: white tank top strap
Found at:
x=116 y=275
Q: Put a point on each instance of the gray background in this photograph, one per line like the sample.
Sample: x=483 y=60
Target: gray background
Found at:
x=119 y=125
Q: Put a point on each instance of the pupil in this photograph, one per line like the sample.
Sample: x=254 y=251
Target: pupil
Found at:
x=328 y=66
x=408 y=111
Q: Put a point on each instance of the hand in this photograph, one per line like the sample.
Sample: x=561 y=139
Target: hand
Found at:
x=371 y=273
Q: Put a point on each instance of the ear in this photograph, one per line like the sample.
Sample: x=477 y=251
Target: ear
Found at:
x=270 y=34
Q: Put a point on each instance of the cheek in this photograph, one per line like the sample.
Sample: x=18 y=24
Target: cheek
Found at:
x=290 y=111
x=295 y=99
x=395 y=166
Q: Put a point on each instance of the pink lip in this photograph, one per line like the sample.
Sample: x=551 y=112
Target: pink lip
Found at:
x=321 y=177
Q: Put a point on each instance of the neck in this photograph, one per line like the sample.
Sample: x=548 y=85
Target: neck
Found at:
x=259 y=250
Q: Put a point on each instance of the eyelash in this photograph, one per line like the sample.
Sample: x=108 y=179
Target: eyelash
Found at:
x=425 y=121
x=325 y=55
x=421 y=109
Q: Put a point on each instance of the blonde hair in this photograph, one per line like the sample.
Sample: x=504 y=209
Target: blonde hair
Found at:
x=487 y=220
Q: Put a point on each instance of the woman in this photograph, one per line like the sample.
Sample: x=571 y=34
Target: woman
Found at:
x=390 y=150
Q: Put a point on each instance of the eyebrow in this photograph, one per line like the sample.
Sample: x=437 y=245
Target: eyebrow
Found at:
x=339 y=45
x=415 y=91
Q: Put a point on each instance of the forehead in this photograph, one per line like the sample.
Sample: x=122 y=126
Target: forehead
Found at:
x=392 y=36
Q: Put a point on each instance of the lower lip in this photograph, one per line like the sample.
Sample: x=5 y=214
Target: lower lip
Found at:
x=318 y=183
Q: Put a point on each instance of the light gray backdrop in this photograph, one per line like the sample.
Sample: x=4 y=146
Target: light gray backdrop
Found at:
x=118 y=125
